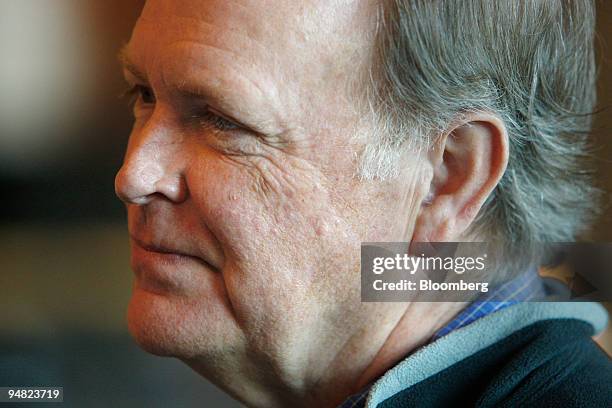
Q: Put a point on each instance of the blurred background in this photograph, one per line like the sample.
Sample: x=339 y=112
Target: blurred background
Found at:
x=64 y=261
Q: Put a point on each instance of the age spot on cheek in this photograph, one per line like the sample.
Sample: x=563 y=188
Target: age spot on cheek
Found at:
x=325 y=226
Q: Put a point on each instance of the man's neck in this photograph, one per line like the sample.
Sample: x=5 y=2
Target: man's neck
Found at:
x=418 y=324
x=378 y=347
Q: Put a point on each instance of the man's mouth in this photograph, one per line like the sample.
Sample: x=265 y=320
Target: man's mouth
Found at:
x=164 y=250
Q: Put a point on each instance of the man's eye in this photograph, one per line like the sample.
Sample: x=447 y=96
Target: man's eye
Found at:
x=146 y=94
x=210 y=119
x=140 y=93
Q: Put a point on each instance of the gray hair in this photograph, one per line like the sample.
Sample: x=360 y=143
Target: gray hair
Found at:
x=530 y=62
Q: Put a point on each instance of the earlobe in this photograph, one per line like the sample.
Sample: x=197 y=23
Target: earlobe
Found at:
x=468 y=160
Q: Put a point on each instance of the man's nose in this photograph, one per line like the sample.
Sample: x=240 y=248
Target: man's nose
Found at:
x=153 y=166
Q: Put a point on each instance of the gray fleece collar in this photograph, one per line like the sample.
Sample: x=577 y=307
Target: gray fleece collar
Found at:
x=474 y=337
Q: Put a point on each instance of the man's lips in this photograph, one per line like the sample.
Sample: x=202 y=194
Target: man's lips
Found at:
x=149 y=247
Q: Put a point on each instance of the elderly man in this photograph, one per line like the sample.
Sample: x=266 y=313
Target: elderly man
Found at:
x=272 y=138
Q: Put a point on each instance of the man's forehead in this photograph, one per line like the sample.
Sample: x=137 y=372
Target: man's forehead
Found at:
x=267 y=21
x=243 y=17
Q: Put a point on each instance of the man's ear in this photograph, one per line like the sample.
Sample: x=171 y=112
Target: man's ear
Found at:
x=468 y=161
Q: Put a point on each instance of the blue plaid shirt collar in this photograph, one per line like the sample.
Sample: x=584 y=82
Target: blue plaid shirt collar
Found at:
x=523 y=288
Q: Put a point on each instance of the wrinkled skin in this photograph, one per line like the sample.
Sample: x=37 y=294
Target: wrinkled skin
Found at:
x=262 y=215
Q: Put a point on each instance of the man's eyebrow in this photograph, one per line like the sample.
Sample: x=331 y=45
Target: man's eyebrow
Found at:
x=128 y=64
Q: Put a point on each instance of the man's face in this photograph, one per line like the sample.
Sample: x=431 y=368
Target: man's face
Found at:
x=241 y=165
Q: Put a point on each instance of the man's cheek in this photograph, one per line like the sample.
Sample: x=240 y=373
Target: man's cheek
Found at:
x=278 y=194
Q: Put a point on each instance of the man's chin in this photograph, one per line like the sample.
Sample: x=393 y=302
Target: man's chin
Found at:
x=172 y=327
x=151 y=324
